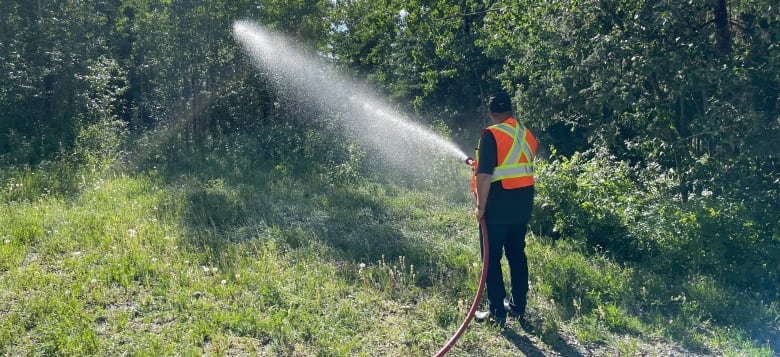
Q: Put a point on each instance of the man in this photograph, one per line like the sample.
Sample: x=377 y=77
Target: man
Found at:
x=504 y=186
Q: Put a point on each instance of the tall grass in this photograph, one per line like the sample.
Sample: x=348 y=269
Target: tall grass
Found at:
x=220 y=255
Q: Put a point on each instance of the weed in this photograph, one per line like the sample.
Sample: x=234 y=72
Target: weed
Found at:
x=236 y=258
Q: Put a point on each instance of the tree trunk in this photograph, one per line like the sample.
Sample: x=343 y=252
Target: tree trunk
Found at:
x=723 y=33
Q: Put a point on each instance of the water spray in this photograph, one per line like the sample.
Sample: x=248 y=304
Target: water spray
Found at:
x=352 y=104
x=357 y=109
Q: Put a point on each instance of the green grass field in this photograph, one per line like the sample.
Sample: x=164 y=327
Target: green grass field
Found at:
x=221 y=259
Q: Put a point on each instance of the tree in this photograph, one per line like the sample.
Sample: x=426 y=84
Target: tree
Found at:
x=46 y=46
x=692 y=87
x=422 y=54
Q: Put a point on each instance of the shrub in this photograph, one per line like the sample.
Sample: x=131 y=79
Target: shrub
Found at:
x=638 y=214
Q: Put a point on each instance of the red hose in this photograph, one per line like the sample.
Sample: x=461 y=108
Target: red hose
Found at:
x=473 y=309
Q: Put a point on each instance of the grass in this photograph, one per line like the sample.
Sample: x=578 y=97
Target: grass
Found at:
x=260 y=260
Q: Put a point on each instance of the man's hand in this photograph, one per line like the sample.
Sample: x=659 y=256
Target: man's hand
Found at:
x=483 y=189
x=480 y=213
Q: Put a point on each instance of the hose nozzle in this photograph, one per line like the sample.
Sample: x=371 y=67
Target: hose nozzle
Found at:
x=469 y=161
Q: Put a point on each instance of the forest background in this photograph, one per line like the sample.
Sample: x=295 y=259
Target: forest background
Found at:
x=658 y=179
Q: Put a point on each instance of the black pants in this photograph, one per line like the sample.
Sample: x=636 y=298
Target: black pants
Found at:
x=509 y=239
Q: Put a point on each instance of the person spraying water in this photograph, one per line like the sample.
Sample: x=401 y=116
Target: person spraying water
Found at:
x=400 y=140
x=503 y=184
x=503 y=188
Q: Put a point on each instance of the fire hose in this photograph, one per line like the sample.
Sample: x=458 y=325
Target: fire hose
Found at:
x=480 y=288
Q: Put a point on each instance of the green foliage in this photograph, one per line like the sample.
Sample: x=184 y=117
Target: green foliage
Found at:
x=596 y=199
x=662 y=196
x=647 y=91
x=228 y=254
x=393 y=278
x=592 y=197
x=30 y=184
x=219 y=205
x=633 y=74
x=45 y=51
x=101 y=133
x=422 y=54
x=581 y=286
x=301 y=19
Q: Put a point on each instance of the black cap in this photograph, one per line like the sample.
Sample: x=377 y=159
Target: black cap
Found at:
x=500 y=103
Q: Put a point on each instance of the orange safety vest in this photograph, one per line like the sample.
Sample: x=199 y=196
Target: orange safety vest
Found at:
x=516 y=148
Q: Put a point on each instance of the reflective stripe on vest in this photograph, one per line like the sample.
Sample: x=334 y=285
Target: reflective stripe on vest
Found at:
x=511 y=167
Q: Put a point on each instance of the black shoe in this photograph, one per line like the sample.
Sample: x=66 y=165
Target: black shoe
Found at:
x=514 y=309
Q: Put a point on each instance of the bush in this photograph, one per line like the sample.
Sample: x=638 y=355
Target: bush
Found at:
x=591 y=197
x=637 y=214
